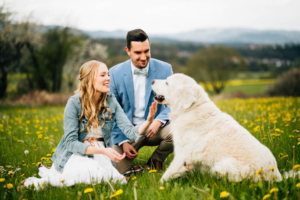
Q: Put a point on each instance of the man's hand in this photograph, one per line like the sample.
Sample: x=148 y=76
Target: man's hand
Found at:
x=129 y=151
x=153 y=128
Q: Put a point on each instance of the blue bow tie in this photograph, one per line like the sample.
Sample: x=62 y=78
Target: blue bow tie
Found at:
x=142 y=72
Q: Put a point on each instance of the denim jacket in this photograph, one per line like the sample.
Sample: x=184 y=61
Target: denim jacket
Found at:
x=71 y=142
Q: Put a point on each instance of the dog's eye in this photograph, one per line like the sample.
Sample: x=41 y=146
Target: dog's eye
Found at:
x=167 y=83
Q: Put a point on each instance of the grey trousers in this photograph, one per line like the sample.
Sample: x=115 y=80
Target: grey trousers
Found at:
x=162 y=138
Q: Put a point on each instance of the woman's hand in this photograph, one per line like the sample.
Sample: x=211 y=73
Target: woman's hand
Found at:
x=113 y=154
x=152 y=112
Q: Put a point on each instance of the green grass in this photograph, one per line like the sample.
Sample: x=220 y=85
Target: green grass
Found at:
x=273 y=121
x=246 y=89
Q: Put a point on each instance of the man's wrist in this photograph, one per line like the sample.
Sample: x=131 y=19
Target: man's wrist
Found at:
x=158 y=121
x=124 y=143
x=120 y=143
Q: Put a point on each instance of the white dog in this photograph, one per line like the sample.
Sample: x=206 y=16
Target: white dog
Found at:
x=203 y=134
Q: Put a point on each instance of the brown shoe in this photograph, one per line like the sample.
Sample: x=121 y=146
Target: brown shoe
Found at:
x=156 y=164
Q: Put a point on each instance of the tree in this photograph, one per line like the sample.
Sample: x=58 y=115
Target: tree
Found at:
x=10 y=48
x=44 y=58
x=214 y=66
x=89 y=50
x=288 y=84
x=58 y=47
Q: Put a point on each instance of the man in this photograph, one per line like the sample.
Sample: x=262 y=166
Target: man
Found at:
x=131 y=85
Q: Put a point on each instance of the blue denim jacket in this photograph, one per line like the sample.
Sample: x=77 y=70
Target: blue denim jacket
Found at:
x=71 y=142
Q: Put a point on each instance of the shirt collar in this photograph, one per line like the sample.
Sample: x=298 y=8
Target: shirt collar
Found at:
x=134 y=68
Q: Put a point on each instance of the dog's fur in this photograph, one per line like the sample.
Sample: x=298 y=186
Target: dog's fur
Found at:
x=203 y=134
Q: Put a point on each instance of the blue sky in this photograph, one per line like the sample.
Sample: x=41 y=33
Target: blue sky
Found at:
x=160 y=16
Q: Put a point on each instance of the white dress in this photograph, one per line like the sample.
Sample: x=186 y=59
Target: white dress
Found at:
x=80 y=169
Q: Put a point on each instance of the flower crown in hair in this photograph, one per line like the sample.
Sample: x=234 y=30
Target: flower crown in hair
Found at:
x=79 y=77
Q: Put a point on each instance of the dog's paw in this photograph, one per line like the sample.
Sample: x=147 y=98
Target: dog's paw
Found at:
x=163 y=179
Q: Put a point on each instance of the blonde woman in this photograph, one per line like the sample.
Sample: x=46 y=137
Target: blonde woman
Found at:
x=84 y=154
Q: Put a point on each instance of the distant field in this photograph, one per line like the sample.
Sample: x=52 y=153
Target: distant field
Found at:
x=248 y=86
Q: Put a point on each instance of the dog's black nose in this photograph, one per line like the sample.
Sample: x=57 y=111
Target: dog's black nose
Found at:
x=153 y=82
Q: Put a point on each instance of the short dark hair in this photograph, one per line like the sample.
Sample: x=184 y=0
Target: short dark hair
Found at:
x=136 y=35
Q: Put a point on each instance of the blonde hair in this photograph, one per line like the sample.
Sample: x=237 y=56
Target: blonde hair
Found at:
x=87 y=74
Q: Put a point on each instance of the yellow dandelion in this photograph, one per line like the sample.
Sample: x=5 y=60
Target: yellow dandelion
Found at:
x=2 y=180
x=42 y=184
x=9 y=186
x=22 y=174
x=8 y=166
x=10 y=172
x=38 y=163
x=46 y=138
x=259 y=171
x=88 y=190
x=161 y=187
x=266 y=196
x=49 y=154
x=298 y=185
x=118 y=192
x=272 y=168
x=24 y=165
x=224 y=194
x=43 y=158
x=296 y=166
x=62 y=181
x=298 y=143
x=285 y=156
x=274 y=190
x=133 y=178
x=153 y=171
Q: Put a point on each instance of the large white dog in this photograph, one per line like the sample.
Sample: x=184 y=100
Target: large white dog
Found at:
x=204 y=135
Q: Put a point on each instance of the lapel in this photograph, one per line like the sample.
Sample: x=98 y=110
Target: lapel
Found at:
x=151 y=75
x=128 y=81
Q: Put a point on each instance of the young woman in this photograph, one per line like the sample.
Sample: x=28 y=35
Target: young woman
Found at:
x=84 y=153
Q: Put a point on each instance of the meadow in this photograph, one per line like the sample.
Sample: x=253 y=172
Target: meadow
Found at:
x=275 y=122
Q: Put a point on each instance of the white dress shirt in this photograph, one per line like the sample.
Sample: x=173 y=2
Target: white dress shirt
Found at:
x=139 y=84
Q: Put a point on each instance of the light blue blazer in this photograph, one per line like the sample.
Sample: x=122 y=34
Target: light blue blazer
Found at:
x=121 y=85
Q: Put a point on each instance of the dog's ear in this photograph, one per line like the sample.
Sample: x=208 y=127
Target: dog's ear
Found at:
x=187 y=96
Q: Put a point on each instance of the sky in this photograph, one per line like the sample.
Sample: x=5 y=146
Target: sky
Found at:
x=160 y=16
